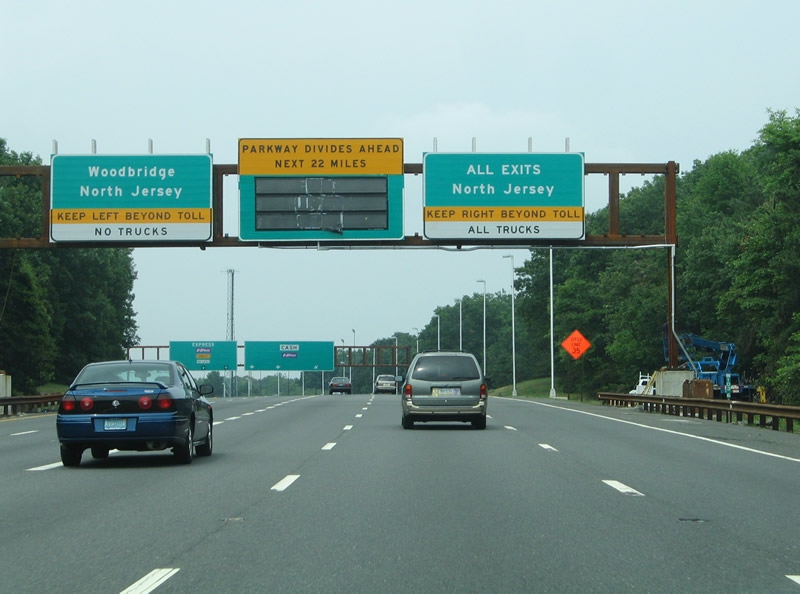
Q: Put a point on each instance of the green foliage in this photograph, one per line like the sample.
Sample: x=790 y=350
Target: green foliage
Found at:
x=786 y=380
x=27 y=346
x=737 y=271
x=61 y=308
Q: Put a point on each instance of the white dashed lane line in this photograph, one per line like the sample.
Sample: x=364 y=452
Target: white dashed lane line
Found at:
x=347 y=428
x=285 y=482
x=45 y=467
x=151 y=581
x=547 y=447
x=329 y=446
x=510 y=428
x=24 y=433
x=622 y=488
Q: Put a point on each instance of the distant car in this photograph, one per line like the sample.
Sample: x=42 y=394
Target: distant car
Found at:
x=385 y=383
x=340 y=384
x=444 y=386
x=135 y=405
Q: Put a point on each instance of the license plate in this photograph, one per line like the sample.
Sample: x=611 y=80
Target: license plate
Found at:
x=446 y=391
x=115 y=424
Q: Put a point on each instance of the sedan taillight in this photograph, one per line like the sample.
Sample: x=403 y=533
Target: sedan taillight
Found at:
x=69 y=404
x=87 y=404
x=164 y=402
x=145 y=403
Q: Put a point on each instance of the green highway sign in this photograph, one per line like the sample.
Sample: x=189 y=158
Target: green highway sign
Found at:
x=288 y=356
x=503 y=195
x=205 y=355
x=150 y=198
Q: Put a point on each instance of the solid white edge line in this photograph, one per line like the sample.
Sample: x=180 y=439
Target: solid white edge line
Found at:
x=24 y=433
x=672 y=431
x=794 y=578
x=329 y=446
x=285 y=482
x=623 y=488
x=151 y=581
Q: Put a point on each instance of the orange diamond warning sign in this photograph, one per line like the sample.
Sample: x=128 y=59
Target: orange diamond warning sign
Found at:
x=576 y=345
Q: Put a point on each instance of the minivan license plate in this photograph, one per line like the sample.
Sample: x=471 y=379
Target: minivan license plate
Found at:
x=447 y=391
x=115 y=424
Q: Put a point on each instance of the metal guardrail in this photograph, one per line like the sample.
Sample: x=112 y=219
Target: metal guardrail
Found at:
x=15 y=405
x=723 y=410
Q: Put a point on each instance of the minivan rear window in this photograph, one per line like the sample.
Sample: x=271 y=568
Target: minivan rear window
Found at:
x=443 y=368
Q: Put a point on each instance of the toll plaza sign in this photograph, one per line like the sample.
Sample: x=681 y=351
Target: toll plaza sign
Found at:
x=288 y=355
x=151 y=198
x=321 y=189
x=205 y=355
x=503 y=196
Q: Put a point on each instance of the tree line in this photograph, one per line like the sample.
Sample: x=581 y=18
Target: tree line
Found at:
x=59 y=308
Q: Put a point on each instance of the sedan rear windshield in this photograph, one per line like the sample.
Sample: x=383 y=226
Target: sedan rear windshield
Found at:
x=443 y=368
x=125 y=372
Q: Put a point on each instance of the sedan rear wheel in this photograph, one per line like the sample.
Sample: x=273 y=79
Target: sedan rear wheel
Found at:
x=71 y=455
x=205 y=448
x=183 y=452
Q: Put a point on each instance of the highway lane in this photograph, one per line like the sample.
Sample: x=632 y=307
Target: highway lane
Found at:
x=367 y=506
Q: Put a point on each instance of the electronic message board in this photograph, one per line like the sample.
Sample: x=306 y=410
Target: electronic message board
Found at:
x=321 y=189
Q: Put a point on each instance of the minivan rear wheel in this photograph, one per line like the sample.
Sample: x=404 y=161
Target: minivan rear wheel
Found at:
x=407 y=423
x=479 y=423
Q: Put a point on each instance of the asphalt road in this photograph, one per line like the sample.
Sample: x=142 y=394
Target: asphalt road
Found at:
x=330 y=494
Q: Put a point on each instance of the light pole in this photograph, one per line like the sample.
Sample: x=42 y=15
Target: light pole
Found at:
x=513 y=332
x=416 y=331
x=460 y=330
x=438 y=332
x=484 y=326
x=395 y=354
x=351 y=356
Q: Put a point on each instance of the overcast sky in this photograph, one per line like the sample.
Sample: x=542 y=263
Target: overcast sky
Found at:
x=624 y=81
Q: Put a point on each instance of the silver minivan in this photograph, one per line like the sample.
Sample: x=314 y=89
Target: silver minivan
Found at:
x=444 y=386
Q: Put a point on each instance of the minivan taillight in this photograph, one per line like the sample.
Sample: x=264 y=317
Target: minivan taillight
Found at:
x=407 y=392
x=484 y=392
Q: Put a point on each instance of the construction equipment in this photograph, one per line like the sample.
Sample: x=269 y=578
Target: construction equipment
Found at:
x=715 y=361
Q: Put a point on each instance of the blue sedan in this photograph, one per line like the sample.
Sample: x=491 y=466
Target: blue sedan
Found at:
x=135 y=405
